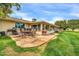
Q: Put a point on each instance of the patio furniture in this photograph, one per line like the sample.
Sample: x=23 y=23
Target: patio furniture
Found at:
x=33 y=32
x=12 y=32
x=19 y=33
x=44 y=32
x=27 y=31
x=2 y=33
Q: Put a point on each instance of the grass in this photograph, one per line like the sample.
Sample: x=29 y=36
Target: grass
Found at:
x=8 y=42
x=67 y=44
x=19 y=49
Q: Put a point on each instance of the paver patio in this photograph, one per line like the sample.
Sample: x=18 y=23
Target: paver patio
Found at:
x=30 y=41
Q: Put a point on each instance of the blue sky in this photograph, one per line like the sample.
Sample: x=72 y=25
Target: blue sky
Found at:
x=49 y=12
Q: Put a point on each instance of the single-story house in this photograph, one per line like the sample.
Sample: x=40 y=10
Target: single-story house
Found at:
x=9 y=23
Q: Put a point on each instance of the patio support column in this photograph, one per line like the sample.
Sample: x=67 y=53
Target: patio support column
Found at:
x=49 y=27
x=45 y=27
x=29 y=26
x=41 y=27
x=37 y=28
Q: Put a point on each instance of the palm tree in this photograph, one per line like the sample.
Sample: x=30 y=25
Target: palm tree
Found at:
x=5 y=8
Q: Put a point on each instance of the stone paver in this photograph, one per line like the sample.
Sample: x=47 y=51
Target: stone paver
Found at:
x=33 y=41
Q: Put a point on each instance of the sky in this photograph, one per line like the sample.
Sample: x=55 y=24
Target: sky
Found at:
x=49 y=12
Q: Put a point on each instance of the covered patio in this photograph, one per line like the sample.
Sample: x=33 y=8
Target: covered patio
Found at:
x=39 y=26
x=36 y=40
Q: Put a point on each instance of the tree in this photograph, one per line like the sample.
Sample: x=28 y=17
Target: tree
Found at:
x=6 y=8
x=73 y=24
x=62 y=24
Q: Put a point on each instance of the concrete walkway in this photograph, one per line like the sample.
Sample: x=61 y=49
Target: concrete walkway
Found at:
x=29 y=41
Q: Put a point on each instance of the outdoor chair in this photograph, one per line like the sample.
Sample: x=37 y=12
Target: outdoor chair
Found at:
x=14 y=32
x=20 y=34
x=27 y=32
x=2 y=33
x=44 y=32
x=33 y=32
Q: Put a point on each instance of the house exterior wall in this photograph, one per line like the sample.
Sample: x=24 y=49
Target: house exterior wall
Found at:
x=5 y=25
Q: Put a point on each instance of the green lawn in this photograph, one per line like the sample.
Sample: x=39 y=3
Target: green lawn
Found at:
x=7 y=42
x=67 y=44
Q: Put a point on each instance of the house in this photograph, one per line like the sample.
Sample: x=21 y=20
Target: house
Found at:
x=10 y=23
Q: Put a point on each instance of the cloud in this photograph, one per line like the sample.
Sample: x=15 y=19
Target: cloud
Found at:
x=75 y=14
x=22 y=15
x=52 y=9
x=43 y=19
x=74 y=10
x=45 y=11
x=56 y=19
x=48 y=12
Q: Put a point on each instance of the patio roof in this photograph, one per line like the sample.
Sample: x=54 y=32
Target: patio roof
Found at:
x=15 y=20
x=25 y=21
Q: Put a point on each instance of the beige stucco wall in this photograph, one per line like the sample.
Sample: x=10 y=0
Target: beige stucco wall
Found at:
x=27 y=25
x=5 y=25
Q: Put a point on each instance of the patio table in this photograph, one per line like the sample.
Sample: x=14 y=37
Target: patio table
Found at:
x=27 y=32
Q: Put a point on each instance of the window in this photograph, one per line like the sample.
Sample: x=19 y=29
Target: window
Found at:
x=19 y=25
